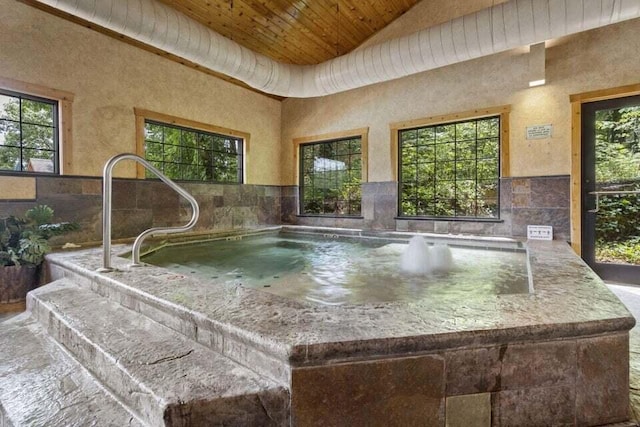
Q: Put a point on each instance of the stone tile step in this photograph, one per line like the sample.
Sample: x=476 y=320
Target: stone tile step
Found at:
x=153 y=296
x=165 y=377
x=42 y=385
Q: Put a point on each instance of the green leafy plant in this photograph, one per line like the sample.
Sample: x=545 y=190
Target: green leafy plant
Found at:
x=618 y=169
x=618 y=217
x=24 y=241
x=619 y=252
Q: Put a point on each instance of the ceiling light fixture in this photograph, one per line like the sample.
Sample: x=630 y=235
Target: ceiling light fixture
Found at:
x=537 y=59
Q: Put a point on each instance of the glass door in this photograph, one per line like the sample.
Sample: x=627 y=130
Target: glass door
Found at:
x=611 y=188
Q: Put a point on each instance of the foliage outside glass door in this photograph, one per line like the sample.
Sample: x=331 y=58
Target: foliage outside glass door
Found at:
x=617 y=156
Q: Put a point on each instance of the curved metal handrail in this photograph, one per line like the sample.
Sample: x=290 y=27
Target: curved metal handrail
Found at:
x=106 y=210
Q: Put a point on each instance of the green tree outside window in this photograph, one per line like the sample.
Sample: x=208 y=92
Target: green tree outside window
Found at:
x=193 y=155
x=28 y=133
x=331 y=177
x=450 y=170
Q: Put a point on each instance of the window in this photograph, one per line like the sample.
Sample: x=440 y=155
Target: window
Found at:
x=331 y=174
x=185 y=153
x=450 y=170
x=28 y=133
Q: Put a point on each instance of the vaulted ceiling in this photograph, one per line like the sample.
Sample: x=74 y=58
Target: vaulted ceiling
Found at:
x=305 y=48
x=295 y=31
x=290 y=31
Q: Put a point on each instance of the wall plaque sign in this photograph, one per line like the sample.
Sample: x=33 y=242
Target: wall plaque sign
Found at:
x=539 y=232
x=539 y=131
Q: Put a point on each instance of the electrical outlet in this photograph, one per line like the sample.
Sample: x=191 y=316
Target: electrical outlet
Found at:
x=539 y=232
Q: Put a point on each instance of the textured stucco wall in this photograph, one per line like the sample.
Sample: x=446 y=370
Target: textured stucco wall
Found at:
x=602 y=58
x=109 y=78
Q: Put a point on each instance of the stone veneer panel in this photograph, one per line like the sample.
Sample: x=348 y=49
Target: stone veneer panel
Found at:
x=559 y=382
x=474 y=370
x=549 y=192
x=602 y=395
x=534 y=407
x=17 y=187
x=391 y=392
x=141 y=204
x=541 y=365
x=289 y=204
x=469 y=410
x=380 y=205
x=523 y=201
x=540 y=201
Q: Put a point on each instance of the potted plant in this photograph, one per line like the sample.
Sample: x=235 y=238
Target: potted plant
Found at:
x=23 y=245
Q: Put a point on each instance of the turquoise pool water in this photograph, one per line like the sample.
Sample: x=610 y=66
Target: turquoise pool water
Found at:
x=342 y=270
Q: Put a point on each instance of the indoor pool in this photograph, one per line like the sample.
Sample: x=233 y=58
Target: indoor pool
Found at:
x=559 y=354
x=343 y=270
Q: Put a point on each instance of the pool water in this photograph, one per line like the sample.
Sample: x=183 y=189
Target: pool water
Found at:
x=342 y=271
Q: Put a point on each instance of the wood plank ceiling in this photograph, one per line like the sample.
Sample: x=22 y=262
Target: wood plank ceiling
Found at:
x=290 y=31
x=295 y=31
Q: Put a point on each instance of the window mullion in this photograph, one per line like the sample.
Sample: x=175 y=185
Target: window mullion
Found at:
x=329 y=168
x=451 y=166
x=33 y=116
x=455 y=170
x=195 y=155
x=475 y=156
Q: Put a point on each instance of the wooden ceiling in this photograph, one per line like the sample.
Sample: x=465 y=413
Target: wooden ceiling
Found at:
x=290 y=31
x=295 y=31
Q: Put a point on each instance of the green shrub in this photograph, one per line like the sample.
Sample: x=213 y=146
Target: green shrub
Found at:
x=24 y=240
x=618 y=217
x=619 y=252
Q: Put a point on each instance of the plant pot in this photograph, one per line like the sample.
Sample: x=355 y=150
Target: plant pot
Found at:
x=16 y=281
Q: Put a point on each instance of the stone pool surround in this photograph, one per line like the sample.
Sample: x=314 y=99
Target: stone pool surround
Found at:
x=558 y=355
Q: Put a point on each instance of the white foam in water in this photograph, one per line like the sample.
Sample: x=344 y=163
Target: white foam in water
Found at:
x=415 y=258
x=441 y=258
x=420 y=259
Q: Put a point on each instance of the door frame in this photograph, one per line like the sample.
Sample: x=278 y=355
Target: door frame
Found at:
x=619 y=272
x=576 y=151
